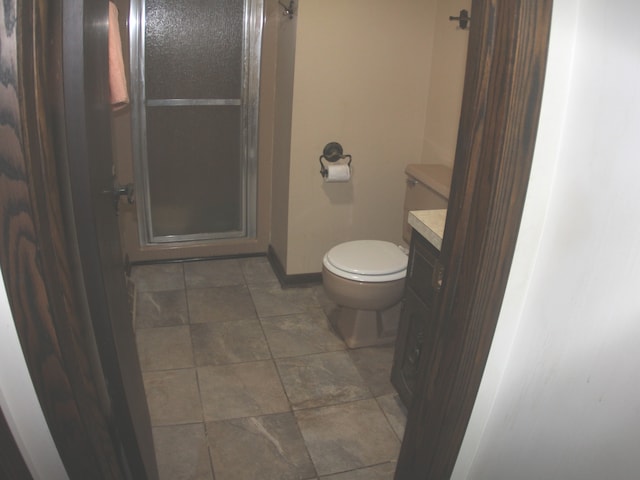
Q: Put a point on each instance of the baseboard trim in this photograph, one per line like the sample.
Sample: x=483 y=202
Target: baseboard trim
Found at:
x=291 y=281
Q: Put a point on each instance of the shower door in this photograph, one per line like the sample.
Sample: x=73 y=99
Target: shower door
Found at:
x=195 y=79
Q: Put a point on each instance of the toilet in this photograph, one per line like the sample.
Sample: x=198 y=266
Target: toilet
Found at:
x=365 y=278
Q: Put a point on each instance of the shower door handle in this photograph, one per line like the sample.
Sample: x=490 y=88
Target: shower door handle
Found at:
x=118 y=191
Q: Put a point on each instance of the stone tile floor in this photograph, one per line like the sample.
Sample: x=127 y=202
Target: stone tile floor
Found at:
x=245 y=380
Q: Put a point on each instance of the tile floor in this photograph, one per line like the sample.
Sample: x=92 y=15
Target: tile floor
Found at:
x=245 y=380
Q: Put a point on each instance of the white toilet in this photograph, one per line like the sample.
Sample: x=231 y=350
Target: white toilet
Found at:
x=365 y=278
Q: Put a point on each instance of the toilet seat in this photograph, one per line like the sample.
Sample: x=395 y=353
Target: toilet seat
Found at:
x=367 y=261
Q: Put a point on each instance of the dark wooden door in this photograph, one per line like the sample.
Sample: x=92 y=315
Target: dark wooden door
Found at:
x=505 y=70
x=416 y=330
x=89 y=166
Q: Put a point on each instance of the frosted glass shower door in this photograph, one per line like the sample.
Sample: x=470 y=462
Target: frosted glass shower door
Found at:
x=195 y=117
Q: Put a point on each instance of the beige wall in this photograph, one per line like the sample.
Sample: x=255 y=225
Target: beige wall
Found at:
x=447 y=82
x=284 y=66
x=362 y=72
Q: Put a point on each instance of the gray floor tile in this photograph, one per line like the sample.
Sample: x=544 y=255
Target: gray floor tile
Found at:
x=154 y=278
x=251 y=432
x=161 y=309
x=374 y=365
x=348 y=436
x=271 y=299
x=241 y=390
x=300 y=334
x=220 y=304
x=395 y=412
x=172 y=396
x=257 y=270
x=267 y=447
x=213 y=273
x=182 y=452
x=321 y=379
x=385 y=471
x=323 y=300
x=229 y=342
x=164 y=348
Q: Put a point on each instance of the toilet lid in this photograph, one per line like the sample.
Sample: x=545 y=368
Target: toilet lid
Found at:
x=367 y=260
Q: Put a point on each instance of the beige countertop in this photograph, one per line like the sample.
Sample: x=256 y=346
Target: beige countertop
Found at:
x=429 y=224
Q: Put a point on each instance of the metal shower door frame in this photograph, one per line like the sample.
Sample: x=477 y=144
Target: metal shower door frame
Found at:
x=249 y=103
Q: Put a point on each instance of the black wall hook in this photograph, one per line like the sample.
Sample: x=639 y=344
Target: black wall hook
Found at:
x=290 y=10
x=463 y=19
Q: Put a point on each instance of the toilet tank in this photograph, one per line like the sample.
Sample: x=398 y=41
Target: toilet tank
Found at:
x=428 y=188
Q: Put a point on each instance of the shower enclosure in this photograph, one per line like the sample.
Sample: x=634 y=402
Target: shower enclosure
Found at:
x=195 y=80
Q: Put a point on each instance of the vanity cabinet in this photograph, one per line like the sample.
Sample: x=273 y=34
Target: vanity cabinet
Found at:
x=417 y=316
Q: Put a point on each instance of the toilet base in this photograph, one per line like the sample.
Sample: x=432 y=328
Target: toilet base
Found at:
x=366 y=328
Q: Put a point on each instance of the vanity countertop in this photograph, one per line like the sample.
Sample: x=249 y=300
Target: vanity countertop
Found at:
x=429 y=224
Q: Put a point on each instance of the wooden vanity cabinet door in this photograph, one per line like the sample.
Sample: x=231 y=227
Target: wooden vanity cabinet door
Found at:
x=415 y=317
x=422 y=260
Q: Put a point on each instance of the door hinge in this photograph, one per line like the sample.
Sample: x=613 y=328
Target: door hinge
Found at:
x=438 y=275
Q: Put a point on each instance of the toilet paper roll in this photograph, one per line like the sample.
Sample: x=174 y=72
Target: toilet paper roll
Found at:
x=338 y=173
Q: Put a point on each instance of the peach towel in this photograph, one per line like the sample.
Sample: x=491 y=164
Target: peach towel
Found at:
x=117 y=77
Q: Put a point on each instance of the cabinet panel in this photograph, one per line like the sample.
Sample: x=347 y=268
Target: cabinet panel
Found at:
x=422 y=260
x=414 y=321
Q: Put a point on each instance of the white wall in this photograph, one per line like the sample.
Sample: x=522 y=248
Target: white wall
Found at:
x=560 y=398
x=20 y=405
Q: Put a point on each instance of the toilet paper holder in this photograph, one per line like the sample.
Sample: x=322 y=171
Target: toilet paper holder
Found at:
x=332 y=152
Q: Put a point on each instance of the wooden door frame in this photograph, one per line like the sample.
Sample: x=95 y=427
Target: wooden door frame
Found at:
x=40 y=255
x=39 y=260
x=500 y=110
